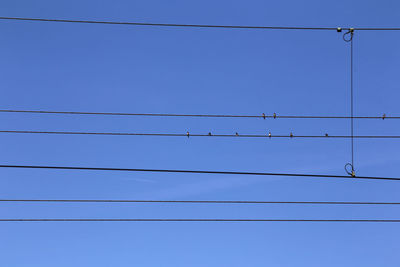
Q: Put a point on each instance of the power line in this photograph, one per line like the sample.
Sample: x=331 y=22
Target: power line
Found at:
x=202 y=220
x=198 y=25
x=262 y=116
x=200 y=201
x=168 y=24
x=194 y=171
x=205 y=135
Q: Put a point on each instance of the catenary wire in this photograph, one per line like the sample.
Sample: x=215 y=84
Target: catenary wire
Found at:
x=195 y=171
x=204 y=220
x=197 y=25
x=167 y=24
x=203 y=135
x=201 y=201
x=196 y=115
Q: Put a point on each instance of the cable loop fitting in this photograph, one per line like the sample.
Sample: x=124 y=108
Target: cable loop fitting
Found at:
x=351 y=171
x=348 y=36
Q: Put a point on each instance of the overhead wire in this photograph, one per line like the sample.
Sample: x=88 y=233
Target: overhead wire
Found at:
x=196 y=25
x=188 y=135
x=167 y=24
x=200 y=201
x=195 y=171
x=262 y=116
x=204 y=220
x=348 y=37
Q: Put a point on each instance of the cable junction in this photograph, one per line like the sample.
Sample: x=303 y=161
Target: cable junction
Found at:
x=195 y=171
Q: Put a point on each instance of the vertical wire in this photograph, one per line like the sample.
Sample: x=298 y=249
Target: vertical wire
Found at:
x=352 y=103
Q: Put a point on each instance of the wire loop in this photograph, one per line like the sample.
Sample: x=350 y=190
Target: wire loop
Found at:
x=351 y=171
x=350 y=32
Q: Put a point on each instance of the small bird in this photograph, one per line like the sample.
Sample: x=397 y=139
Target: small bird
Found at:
x=291 y=134
x=209 y=134
x=274 y=115
x=269 y=134
x=384 y=116
x=326 y=135
x=187 y=133
x=263 y=115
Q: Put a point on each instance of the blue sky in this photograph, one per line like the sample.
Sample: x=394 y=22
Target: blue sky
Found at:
x=171 y=70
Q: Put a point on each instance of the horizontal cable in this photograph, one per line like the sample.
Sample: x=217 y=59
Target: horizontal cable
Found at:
x=200 y=201
x=206 y=135
x=200 y=220
x=262 y=116
x=199 y=25
x=169 y=24
x=194 y=171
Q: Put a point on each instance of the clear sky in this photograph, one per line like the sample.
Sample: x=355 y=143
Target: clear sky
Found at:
x=77 y=67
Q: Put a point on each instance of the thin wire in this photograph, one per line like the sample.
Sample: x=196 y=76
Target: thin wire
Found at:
x=194 y=171
x=200 y=201
x=352 y=102
x=196 y=25
x=196 y=115
x=377 y=29
x=201 y=220
x=204 y=135
x=168 y=24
